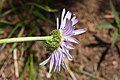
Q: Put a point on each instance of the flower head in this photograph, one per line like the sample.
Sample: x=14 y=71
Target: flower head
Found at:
x=61 y=41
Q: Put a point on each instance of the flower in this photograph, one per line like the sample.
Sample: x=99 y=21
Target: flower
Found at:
x=65 y=31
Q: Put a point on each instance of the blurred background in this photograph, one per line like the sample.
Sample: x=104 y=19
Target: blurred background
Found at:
x=93 y=58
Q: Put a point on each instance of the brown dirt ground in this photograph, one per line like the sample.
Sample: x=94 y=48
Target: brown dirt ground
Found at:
x=94 y=54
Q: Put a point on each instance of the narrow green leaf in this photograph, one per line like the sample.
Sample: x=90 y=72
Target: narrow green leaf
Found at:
x=114 y=39
x=105 y=25
x=1 y=29
x=38 y=14
x=43 y=7
x=41 y=16
x=24 y=70
x=115 y=14
x=4 y=23
x=7 y=12
x=1 y=4
x=31 y=67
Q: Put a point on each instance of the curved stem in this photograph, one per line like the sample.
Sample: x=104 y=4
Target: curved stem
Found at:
x=25 y=39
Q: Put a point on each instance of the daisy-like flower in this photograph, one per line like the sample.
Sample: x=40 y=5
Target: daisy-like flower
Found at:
x=61 y=41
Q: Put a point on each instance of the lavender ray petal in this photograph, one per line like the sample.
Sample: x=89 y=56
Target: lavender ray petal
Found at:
x=45 y=62
x=68 y=28
x=51 y=62
x=60 y=57
x=71 y=39
x=57 y=69
x=57 y=23
x=68 y=45
x=62 y=25
x=73 y=18
x=74 y=21
x=62 y=17
x=67 y=54
x=79 y=31
x=68 y=15
x=63 y=22
x=56 y=60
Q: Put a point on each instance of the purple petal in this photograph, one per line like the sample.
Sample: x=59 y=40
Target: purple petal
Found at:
x=62 y=17
x=51 y=62
x=79 y=31
x=45 y=62
x=68 y=45
x=74 y=21
x=59 y=61
x=63 y=14
x=57 y=23
x=60 y=57
x=62 y=25
x=71 y=39
x=57 y=69
x=56 y=60
x=68 y=15
x=73 y=18
x=68 y=28
x=66 y=54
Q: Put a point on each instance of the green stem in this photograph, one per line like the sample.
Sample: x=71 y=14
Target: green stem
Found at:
x=25 y=39
x=25 y=69
x=31 y=67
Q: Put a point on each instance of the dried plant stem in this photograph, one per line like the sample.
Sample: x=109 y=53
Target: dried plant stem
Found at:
x=90 y=75
x=4 y=62
x=70 y=71
x=16 y=63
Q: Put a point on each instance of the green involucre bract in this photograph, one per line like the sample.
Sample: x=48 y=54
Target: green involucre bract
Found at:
x=54 y=44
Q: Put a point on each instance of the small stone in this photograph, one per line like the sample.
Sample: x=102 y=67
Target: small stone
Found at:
x=115 y=64
x=48 y=75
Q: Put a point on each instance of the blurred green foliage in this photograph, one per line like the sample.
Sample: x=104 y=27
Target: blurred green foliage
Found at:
x=115 y=26
x=28 y=12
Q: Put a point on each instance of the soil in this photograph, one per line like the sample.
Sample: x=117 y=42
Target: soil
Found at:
x=94 y=54
x=93 y=58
